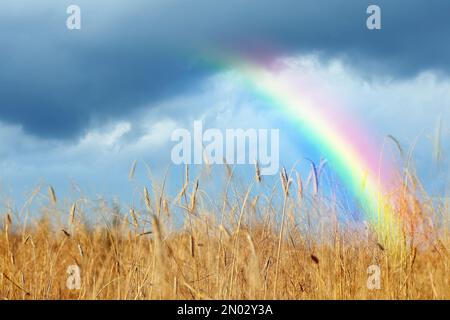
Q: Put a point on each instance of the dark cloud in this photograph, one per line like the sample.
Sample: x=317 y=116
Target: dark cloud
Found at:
x=55 y=82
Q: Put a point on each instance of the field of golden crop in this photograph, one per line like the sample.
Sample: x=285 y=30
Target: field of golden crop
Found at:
x=255 y=241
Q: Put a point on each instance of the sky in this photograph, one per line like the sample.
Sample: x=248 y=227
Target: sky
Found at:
x=77 y=107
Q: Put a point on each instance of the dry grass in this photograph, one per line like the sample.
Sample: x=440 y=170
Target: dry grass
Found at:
x=253 y=242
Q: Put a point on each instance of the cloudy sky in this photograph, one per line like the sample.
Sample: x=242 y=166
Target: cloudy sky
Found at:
x=79 y=106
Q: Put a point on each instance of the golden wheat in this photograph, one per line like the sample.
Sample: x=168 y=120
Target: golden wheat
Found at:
x=273 y=245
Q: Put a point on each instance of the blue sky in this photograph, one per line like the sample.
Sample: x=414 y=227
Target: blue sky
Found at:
x=80 y=106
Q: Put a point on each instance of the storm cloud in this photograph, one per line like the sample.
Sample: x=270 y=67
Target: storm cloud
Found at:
x=56 y=84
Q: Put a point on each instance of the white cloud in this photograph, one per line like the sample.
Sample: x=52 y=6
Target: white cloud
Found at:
x=109 y=139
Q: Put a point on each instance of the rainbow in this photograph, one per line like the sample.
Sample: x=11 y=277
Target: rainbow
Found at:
x=348 y=148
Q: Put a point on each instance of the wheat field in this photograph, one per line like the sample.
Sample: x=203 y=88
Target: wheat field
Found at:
x=257 y=241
